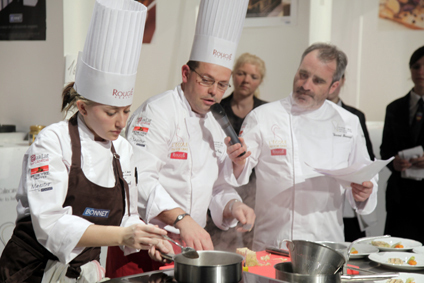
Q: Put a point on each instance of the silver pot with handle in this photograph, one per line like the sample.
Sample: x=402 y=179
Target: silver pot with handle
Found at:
x=314 y=258
x=210 y=267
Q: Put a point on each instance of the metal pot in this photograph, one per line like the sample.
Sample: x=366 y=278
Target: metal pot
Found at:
x=284 y=272
x=314 y=258
x=210 y=267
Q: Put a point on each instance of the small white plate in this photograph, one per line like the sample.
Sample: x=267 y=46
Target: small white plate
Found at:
x=418 y=250
x=363 y=250
x=383 y=258
x=404 y=276
x=407 y=243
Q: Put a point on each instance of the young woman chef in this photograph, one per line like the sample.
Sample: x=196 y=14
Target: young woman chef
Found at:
x=77 y=190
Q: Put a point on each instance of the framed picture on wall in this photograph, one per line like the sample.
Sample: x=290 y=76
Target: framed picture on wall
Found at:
x=22 y=19
x=271 y=12
x=150 y=27
x=409 y=13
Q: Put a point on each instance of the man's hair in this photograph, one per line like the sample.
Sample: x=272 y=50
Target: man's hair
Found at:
x=193 y=64
x=328 y=53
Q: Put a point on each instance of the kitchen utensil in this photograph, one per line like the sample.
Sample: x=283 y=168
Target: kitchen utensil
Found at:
x=340 y=247
x=276 y=251
x=314 y=258
x=210 y=267
x=185 y=251
x=284 y=272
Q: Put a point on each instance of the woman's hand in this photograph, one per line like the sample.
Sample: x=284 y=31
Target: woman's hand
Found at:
x=163 y=246
x=142 y=236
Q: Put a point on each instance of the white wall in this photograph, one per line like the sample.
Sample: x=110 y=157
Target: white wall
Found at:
x=378 y=51
x=31 y=75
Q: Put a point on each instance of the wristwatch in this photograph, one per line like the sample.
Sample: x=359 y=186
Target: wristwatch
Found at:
x=180 y=217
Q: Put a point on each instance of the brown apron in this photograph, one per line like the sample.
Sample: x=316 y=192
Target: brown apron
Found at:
x=24 y=258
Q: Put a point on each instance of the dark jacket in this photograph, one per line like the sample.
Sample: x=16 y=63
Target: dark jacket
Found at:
x=403 y=196
x=361 y=117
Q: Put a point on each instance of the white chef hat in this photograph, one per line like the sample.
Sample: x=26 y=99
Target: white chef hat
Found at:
x=218 y=29
x=107 y=68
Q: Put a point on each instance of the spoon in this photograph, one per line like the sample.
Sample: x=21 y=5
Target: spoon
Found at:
x=185 y=251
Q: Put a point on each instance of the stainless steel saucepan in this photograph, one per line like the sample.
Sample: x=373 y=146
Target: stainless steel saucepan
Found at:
x=210 y=267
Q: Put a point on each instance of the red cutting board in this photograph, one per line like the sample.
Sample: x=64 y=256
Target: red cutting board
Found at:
x=267 y=269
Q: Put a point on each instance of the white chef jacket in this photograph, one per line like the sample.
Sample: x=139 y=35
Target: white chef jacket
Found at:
x=292 y=201
x=42 y=195
x=181 y=159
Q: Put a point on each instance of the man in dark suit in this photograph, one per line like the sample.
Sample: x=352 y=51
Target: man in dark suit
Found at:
x=352 y=229
x=403 y=129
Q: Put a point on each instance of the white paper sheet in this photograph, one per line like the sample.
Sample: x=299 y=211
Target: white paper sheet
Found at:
x=356 y=173
x=412 y=172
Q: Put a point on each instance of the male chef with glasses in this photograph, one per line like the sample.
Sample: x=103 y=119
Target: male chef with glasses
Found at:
x=179 y=146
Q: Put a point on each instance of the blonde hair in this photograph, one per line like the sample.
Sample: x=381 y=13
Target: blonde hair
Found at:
x=70 y=98
x=247 y=58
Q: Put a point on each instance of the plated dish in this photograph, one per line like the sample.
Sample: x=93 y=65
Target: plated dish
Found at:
x=418 y=250
x=393 y=244
x=362 y=250
x=384 y=258
x=405 y=276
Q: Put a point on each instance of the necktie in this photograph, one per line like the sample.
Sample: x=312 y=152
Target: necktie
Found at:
x=418 y=121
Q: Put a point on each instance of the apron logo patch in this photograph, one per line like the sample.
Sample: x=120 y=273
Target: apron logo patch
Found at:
x=278 y=151
x=40 y=169
x=104 y=213
x=141 y=129
x=178 y=155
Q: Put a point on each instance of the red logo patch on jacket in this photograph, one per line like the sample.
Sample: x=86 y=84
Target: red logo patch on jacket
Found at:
x=278 y=151
x=141 y=129
x=178 y=155
x=40 y=169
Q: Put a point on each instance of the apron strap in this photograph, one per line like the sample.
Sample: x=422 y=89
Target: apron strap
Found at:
x=117 y=167
x=75 y=141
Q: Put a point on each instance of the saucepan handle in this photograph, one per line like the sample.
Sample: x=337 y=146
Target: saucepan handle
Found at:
x=288 y=241
x=168 y=257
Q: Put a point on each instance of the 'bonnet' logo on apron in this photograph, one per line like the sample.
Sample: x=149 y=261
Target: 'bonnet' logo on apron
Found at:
x=94 y=212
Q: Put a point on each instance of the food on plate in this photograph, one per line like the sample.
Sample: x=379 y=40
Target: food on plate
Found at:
x=353 y=250
x=249 y=255
x=380 y=244
x=395 y=260
x=412 y=261
x=409 y=280
x=406 y=12
x=397 y=246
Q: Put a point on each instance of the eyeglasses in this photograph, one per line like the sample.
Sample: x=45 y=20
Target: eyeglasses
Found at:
x=204 y=81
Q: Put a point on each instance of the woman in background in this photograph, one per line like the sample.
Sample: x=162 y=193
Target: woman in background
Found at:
x=248 y=74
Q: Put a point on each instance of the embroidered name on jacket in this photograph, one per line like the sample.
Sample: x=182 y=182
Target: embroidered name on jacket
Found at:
x=342 y=130
x=94 y=212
